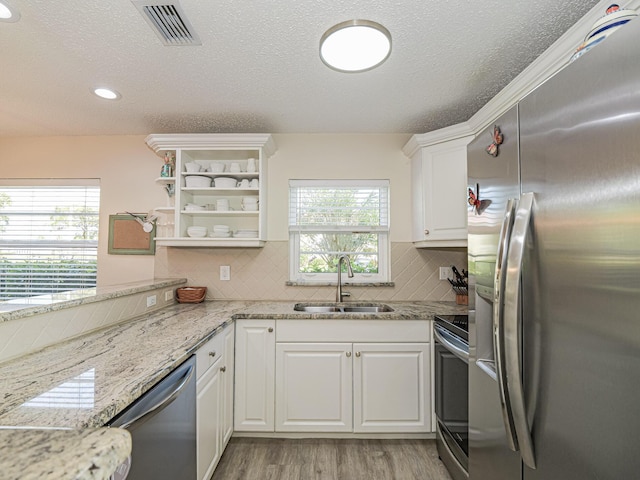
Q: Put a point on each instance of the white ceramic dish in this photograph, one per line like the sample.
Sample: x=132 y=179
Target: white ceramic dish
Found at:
x=225 y=182
x=192 y=167
x=197 y=181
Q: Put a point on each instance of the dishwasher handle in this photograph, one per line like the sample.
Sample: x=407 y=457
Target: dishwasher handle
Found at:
x=166 y=397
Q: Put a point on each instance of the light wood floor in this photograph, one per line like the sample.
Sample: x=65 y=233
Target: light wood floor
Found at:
x=330 y=459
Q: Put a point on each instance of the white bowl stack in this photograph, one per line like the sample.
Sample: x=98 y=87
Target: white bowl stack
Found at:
x=197 y=232
x=221 y=231
x=250 y=204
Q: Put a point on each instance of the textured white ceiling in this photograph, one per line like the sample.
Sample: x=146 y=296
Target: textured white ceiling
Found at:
x=258 y=69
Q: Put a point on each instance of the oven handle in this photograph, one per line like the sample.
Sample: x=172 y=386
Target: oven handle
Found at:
x=498 y=323
x=445 y=338
x=512 y=327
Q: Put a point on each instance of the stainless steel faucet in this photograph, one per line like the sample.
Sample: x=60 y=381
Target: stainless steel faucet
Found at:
x=339 y=292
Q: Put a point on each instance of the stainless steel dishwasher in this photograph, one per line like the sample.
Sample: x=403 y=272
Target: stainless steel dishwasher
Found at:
x=162 y=424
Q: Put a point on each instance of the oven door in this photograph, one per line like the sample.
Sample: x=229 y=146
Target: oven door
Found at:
x=452 y=398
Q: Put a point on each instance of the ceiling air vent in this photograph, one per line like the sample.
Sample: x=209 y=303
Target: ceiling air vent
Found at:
x=168 y=21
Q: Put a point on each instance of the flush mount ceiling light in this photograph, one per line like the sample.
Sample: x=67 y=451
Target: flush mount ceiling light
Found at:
x=8 y=13
x=106 y=93
x=355 y=46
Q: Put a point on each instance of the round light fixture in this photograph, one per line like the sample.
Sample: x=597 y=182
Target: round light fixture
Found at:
x=355 y=46
x=8 y=13
x=107 y=93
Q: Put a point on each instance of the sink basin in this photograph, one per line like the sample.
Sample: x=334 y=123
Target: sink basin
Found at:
x=341 y=308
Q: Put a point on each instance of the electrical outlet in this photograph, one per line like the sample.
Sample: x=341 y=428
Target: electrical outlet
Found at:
x=168 y=295
x=151 y=300
x=225 y=272
x=445 y=272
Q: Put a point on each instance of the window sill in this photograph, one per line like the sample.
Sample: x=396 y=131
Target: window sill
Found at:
x=334 y=284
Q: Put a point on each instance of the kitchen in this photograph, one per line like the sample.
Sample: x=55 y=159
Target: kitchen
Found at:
x=344 y=156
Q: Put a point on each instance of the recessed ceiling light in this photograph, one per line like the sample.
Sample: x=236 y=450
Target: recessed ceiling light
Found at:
x=8 y=13
x=355 y=46
x=107 y=93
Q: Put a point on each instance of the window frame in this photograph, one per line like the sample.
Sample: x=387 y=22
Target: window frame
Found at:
x=35 y=248
x=382 y=231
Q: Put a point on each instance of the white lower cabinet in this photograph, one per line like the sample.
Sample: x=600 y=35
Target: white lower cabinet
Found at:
x=391 y=387
x=255 y=375
x=313 y=387
x=214 y=398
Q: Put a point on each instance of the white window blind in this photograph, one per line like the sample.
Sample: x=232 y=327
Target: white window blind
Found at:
x=48 y=236
x=329 y=218
x=339 y=205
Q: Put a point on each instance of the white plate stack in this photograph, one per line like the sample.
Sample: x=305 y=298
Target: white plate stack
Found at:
x=221 y=231
x=246 y=234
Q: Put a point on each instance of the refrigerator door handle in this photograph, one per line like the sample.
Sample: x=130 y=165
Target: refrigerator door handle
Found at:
x=515 y=390
x=498 y=322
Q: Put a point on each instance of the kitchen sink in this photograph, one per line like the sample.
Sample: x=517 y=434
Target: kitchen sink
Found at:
x=341 y=308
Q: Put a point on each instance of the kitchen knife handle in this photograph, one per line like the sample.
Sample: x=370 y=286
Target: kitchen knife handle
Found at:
x=498 y=322
x=513 y=327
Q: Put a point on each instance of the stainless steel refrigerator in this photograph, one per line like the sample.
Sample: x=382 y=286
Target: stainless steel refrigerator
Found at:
x=554 y=264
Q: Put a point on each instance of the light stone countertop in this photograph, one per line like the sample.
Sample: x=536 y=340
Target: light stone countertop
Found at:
x=122 y=362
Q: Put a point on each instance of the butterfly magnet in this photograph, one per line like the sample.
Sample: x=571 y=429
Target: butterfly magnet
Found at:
x=474 y=201
x=497 y=140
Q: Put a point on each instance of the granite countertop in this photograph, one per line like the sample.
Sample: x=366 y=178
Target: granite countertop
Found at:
x=119 y=367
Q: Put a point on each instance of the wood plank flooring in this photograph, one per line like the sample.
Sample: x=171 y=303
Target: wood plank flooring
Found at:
x=330 y=459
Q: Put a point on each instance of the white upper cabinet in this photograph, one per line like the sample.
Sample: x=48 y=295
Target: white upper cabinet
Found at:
x=439 y=189
x=219 y=185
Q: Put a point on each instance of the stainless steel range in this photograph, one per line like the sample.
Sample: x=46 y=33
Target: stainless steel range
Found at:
x=452 y=392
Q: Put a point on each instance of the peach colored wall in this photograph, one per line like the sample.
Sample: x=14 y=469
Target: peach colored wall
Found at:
x=126 y=168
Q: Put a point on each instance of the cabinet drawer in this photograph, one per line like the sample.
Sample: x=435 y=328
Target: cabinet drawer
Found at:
x=330 y=330
x=209 y=353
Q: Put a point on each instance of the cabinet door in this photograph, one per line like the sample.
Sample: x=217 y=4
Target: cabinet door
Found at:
x=440 y=186
x=391 y=387
x=313 y=387
x=255 y=364
x=208 y=430
x=227 y=385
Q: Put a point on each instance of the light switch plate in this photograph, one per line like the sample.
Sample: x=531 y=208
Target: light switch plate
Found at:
x=151 y=300
x=445 y=272
x=225 y=272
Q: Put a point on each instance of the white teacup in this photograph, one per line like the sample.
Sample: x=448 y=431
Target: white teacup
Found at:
x=235 y=167
x=250 y=207
x=192 y=167
x=244 y=183
x=255 y=183
x=217 y=167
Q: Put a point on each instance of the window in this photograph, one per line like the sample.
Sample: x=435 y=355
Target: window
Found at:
x=48 y=236
x=329 y=218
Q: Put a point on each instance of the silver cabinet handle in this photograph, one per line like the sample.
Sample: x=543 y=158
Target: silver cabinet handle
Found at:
x=512 y=327
x=212 y=354
x=348 y=354
x=426 y=232
x=270 y=330
x=498 y=319
x=357 y=354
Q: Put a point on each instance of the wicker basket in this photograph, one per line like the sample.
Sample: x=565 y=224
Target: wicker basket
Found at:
x=191 y=294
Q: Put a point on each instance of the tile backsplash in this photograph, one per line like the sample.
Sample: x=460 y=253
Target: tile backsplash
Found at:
x=262 y=273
